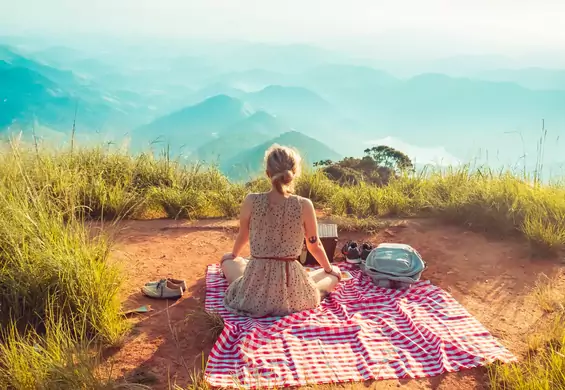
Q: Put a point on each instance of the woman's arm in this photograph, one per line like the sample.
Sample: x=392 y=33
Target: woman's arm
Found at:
x=243 y=235
x=312 y=240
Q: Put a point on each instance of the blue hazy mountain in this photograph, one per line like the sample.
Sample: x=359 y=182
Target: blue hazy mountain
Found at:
x=249 y=163
x=436 y=98
x=64 y=78
x=428 y=110
x=460 y=114
x=243 y=135
x=193 y=126
x=26 y=95
x=306 y=112
x=62 y=57
x=349 y=86
x=290 y=102
x=214 y=89
x=286 y=101
x=465 y=115
x=343 y=77
x=253 y=80
x=144 y=86
x=533 y=78
x=33 y=93
x=467 y=65
x=300 y=107
x=28 y=98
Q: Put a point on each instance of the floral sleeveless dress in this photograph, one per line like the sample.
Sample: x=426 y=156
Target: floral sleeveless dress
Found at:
x=271 y=287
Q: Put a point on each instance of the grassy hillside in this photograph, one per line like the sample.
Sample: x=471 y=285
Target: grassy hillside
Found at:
x=59 y=292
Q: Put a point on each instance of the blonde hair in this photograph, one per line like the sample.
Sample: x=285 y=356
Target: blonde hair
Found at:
x=283 y=166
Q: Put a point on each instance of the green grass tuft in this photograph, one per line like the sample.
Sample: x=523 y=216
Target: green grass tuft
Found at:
x=542 y=369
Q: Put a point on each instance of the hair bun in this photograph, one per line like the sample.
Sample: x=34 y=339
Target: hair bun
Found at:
x=287 y=177
x=283 y=167
x=284 y=177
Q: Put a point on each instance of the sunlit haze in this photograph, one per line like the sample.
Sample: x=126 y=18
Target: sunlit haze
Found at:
x=431 y=27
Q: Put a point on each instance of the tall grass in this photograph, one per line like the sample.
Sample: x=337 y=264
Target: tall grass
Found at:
x=501 y=203
x=95 y=183
x=543 y=368
x=58 y=291
x=48 y=256
x=54 y=359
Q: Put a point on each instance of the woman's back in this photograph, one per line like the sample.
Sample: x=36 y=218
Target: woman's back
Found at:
x=280 y=285
x=276 y=230
x=274 y=224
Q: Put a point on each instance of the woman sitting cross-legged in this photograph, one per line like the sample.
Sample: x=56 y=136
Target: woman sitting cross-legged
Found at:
x=272 y=282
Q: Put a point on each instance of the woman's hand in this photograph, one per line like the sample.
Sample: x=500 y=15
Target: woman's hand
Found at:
x=228 y=256
x=335 y=271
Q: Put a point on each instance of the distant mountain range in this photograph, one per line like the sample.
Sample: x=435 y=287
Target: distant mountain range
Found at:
x=247 y=133
x=193 y=126
x=227 y=132
x=533 y=78
x=27 y=97
x=222 y=104
x=290 y=101
x=34 y=93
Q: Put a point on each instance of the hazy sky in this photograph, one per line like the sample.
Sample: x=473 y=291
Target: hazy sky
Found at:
x=472 y=25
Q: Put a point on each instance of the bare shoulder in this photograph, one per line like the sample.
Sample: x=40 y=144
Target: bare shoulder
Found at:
x=251 y=197
x=305 y=203
x=303 y=199
x=247 y=207
x=249 y=200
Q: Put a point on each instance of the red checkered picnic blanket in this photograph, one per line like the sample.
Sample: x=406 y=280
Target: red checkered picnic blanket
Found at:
x=360 y=332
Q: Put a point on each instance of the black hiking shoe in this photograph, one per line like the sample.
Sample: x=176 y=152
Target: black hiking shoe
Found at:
x=366 y=248
x=352 y=253
x=345 y=248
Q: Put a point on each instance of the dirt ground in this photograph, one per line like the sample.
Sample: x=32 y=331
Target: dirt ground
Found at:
x=491 y=278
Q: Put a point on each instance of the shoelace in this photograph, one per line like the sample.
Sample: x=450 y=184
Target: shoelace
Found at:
x=160 y=286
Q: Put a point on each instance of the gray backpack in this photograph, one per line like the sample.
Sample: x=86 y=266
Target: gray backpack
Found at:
x=394 y=265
